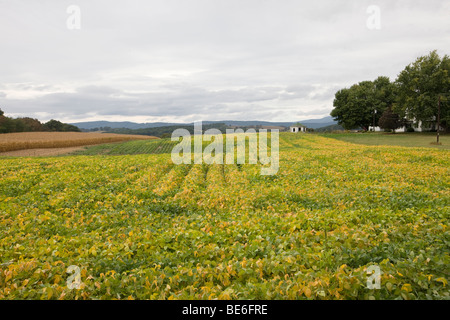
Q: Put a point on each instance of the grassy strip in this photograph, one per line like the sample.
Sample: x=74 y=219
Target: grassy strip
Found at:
x=416 y=139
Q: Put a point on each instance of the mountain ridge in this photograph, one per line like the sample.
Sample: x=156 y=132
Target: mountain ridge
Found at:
x=310 y=123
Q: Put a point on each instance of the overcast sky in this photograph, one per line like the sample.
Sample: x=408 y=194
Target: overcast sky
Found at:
x=188 y=60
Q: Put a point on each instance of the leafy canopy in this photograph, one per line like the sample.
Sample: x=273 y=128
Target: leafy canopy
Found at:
x=390 y=120
x=419 y=87
x=357 y=106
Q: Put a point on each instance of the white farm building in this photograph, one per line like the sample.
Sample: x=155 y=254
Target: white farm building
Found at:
x=295 y=128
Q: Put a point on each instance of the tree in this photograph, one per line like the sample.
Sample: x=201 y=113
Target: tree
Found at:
x=3 y=124
x=17 y=125
x=342 y=112
x=362 y=103
x=70 y=127
x=53 y=125
x=419 y=87
x=390 y=120
x=6 y=124
x=384 y=93
x=31 y=124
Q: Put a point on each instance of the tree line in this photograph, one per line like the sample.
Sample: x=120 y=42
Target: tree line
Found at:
x=419 y=94
x=8 y=125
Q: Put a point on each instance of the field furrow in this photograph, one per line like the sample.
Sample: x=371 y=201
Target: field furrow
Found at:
x=172 y=181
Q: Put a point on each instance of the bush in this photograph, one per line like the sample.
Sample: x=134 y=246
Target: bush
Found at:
x=410 y=130
x=166 y=135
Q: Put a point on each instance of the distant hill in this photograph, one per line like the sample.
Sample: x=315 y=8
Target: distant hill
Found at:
x=124 y=124
x=251 y=123
x=322 y=120
x=319 y=123
x=166 y=131
x=334 y=127
x=313 y=123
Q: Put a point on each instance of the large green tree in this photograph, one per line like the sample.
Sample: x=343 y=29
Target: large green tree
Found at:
x=362 y=104
x=419 y=87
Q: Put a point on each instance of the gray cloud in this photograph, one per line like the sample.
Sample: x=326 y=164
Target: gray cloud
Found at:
x=180 y=101
x=175 y=60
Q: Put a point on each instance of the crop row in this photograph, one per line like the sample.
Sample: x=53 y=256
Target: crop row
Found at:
x=140 y=227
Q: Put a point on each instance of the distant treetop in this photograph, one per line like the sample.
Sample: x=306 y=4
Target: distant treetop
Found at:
x=26 y=124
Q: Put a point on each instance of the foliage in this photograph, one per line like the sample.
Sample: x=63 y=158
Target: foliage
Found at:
x=414 y=95
x=8 y=125
x=55 y=125
x=31 y=125
x=357 y=106
x=390 y=120
x=140 y=227
x=419 y=86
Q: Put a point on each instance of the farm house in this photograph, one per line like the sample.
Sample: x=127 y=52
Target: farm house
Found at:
x=297 y=128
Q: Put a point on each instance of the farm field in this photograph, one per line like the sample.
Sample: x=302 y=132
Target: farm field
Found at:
x=156 y=146
x=139 y=227
x=398 y=139
x=39 y=140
